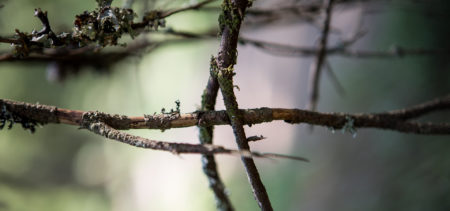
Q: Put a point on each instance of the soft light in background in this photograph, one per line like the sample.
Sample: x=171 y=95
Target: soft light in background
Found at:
x=63 y=168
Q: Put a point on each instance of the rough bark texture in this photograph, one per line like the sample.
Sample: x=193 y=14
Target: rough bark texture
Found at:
x=397 y=120
x=230 y=20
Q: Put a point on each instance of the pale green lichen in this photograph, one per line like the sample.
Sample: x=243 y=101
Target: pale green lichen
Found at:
x=104 y=25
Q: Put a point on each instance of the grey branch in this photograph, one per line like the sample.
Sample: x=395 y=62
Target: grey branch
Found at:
x=107 y=131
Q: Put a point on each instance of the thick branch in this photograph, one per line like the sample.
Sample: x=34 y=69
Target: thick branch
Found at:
x=233 y=12
x=398 y=120
x=95 y=122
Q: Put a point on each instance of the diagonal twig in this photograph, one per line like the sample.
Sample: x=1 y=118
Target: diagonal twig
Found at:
x=102 y=129
x=206 y=137
x=314 y=74
x=190 y=7
x=334 y=79
x=233 y=12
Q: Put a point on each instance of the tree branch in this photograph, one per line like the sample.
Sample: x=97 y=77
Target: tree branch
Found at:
x=206 y=137
x=314 y=73
x=230 y=20
x=191 y=7
x=103 y=26
x=100 y=128
x=95 y=122
x=398 y=120
x=342 y=50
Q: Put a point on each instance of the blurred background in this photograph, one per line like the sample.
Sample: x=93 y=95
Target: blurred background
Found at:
x=60 y=167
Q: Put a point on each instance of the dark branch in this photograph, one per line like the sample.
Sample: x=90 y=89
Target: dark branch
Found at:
x=230 y=20
x=341 y=50
x=316 y=68
x=206 y=137
x=398 y=120
x=107 y=131
x=103 y=26
x=191 y=7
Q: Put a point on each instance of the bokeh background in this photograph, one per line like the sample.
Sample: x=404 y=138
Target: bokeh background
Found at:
x=63 y=168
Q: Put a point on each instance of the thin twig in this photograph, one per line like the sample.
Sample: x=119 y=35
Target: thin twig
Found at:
x=334 y=79
x=206 y=137
x=342 y=49
x=100 y=128
x=314 y=74
x=191 y=7
x=277 y=49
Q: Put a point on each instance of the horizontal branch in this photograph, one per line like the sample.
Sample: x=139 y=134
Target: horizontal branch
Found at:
x=84 y=56
x=397 y=120
x=102 y=26
x=295 y=51
x=343 y=49
x=91 y=56
x=29 y=115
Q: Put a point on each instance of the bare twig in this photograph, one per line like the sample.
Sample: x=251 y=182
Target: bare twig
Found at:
x=341 y=50
x=334 y=79
x=156 y=15
x=398 y=120
x=314 y=74
x=190 y=7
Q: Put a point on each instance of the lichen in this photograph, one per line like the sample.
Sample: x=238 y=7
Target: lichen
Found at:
x=205 y=135
x=104 y=25
x=349 y=126
x=120 y=122
x=8 y=117
x=225 y=78
x=230 y=17
x=164 y=120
